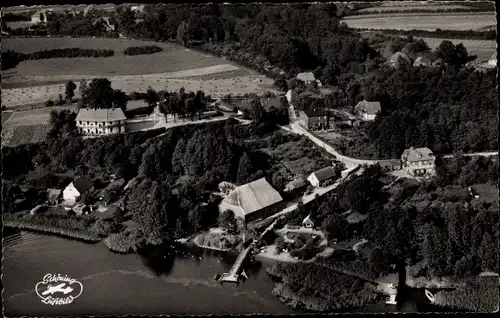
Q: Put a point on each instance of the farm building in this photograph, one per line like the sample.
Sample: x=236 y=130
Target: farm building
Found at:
x=138 y=8
x=419 y=161
x=367 y=110
x=76 y=189
x=319 y=177
x=493 y=59
x=308 y=222
x=100 y=121
x=252 y=201
x=295 y=185
x=355 y=217
x=399 y=59
x=53 y=196
x=306 y=77
x=314 y=119
x=390 y=165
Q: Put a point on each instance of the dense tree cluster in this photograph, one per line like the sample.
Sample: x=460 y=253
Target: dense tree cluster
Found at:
x=12 y=17
x=11 y=58
x=439 y=33
x=446 y=110
x=100 y=94
x=466 y=171
x=314 y=287
x=138 y=50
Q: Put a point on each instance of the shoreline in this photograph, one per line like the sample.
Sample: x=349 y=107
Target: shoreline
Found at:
x=55 y=231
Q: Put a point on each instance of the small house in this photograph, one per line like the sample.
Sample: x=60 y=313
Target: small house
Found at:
x=295 y=185
x=355 y=217
x=53 y=196
x=89 y=8
x=306 y=77
x=390 y=165
x=253 y=200
x=367 y=110
x=76 y=189
x=40 y=16
x=419 y=161
x=422 y=61
x=314 y=119
x=308 y=222
x=399 y=59
x=319 y=177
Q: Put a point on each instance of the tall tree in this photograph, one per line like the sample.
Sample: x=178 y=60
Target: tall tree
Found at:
x=70 y=91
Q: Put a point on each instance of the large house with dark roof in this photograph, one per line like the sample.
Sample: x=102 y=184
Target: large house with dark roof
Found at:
x=252 y=201
x=314 y=119
x=320 y=176
x=367 y=110
x=419 y=161
x=306 y=77
x=76 y=189
x=100 y=121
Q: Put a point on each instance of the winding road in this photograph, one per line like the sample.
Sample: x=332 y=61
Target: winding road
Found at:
x=349 y=162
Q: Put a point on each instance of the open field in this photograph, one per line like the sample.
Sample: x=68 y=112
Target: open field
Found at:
x=393 y=6
x=31 y=117
x=23 y=135
x=418 y=21
x=173 y=68
x=482 y=48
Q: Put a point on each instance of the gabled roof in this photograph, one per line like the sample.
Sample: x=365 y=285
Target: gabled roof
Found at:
x=370 y=108
x=315 y=113
x=324 y=174
x=100 y=115
x=253 y=196
x=306 y=77
x=422 y=60
x=307 y=218
x=53 y=194
x=295 y=184
x=82 y=184
x=418 y=154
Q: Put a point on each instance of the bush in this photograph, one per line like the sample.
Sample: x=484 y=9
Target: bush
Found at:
x=138 y=50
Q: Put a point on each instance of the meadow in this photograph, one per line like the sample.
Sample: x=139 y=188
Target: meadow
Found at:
x=173 y=68
x=393 y=6
x=419 y=21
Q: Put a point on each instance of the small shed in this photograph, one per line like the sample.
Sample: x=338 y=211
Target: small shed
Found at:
x=295 y=185
x=308 y=222
x=318 y=177
x=53 y=196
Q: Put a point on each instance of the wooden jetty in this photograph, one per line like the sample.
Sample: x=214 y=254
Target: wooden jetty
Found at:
x=233 y=275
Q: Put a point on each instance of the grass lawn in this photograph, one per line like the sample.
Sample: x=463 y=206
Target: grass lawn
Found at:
x=487 y=193
x=6 y=116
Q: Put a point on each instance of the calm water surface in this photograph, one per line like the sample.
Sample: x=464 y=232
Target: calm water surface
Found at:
x=168 y=280
x=162 y=281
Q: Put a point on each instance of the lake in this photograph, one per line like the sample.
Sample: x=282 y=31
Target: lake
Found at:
x=163 y=280
x=156 y=283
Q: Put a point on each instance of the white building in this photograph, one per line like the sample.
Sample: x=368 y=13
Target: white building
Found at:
x=319 y=177
x=367 y=110
x=75 y=190
x=100 y=121
x=308 y=222
x=40 y=16
x=419 y=161
x=493 y=59
x=306 y=77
